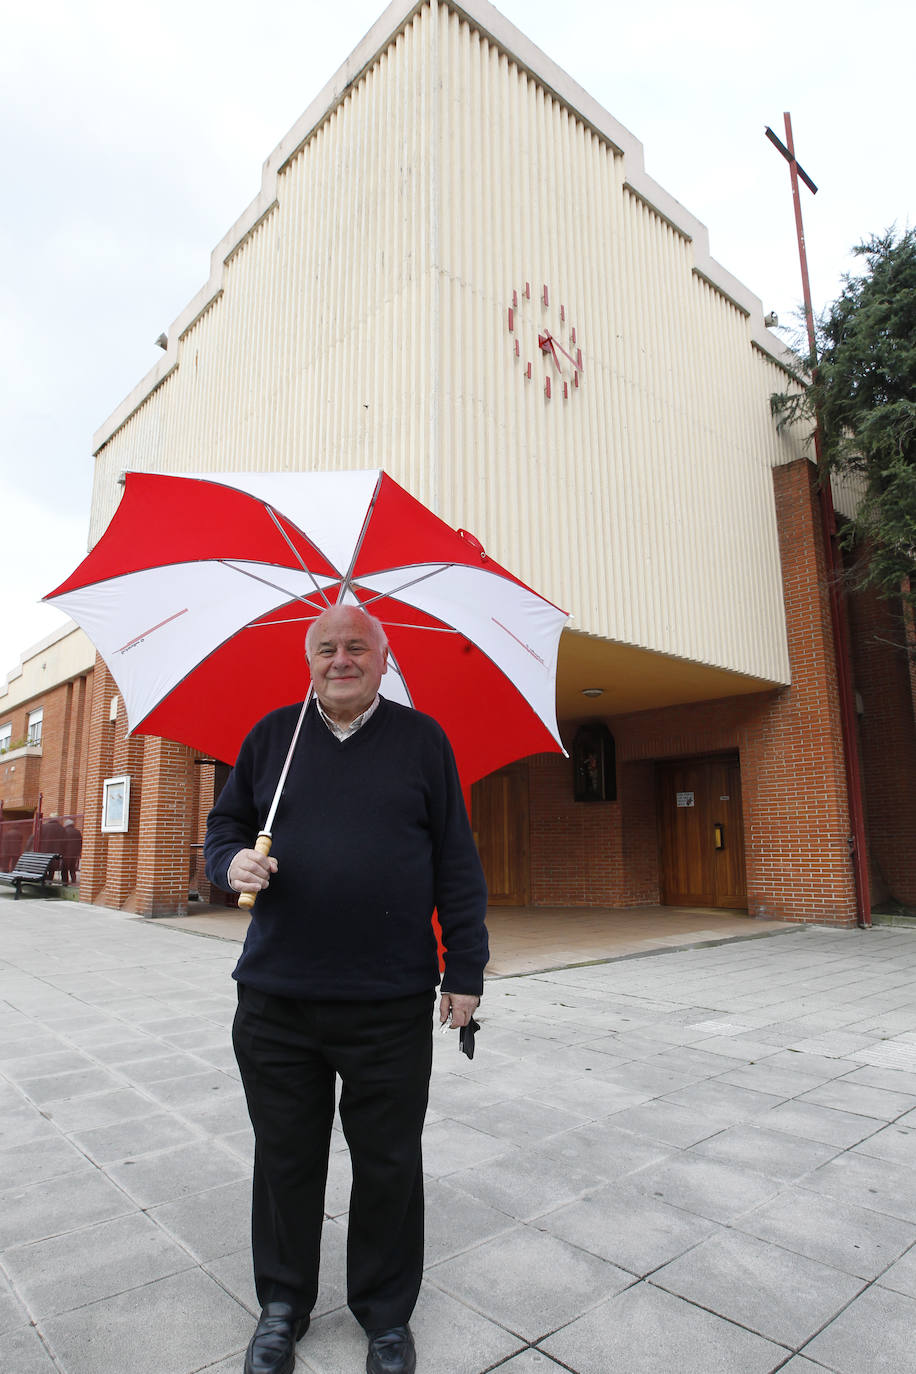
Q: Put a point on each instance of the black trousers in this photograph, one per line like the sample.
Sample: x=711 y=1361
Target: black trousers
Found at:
x=289 y=1053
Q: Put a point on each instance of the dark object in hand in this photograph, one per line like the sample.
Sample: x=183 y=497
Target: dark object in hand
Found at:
x=466 y=1037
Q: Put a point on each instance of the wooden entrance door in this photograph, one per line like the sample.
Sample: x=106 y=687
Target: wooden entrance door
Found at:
x=701 y=833
x=499 y=810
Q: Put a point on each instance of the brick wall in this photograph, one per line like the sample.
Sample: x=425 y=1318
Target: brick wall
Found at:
x=592 y=853
x=793 y=779
x=148 y=869
x=58 y=774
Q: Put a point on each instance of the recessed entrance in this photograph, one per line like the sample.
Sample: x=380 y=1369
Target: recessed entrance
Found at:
x=701 y=833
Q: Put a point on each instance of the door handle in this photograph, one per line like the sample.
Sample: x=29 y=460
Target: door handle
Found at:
x=718 y=835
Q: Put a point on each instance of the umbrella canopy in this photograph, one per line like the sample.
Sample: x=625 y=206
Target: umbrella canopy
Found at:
x=199 y=594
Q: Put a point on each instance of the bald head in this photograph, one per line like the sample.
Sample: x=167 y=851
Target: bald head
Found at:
x=346 y=618
x=347 y=653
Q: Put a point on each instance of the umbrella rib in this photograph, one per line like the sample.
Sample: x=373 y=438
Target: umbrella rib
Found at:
x=275 y=586
x=397 y=668
x=295 y=552
x=347 y=581
x=395 y=591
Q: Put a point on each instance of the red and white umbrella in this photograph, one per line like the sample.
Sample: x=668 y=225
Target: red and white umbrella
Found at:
x=199 y=594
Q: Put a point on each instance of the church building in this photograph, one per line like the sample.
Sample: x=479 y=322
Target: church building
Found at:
x=447 y=202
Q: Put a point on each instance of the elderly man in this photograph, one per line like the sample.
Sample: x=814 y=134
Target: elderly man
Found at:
x=337 y=976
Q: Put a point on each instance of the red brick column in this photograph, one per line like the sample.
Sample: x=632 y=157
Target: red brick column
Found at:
x=796 y=812
x=165 y=829
x=108 y=866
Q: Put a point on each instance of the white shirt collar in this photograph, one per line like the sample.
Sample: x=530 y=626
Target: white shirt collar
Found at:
x=345 y=731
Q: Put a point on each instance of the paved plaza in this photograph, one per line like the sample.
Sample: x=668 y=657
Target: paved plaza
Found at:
x=694 y=1162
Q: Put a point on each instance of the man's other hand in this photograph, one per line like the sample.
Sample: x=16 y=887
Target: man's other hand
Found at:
x=461 y=1006
x=251 y=871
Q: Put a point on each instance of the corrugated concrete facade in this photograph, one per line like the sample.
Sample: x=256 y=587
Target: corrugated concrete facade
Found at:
x=358 y=316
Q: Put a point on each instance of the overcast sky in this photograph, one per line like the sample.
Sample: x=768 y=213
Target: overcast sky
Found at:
x=133 y=137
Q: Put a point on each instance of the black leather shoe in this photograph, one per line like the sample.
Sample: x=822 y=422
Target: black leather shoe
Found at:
x=391 y=1352
x=272 y=1348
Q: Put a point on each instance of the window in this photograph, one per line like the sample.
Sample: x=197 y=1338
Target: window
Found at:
x=34 y=735
x=6 y=735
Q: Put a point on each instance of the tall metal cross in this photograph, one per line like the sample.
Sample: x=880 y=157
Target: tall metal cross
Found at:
x=795 y=171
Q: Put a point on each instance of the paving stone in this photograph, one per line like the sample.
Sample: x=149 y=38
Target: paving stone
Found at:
x=861 y=1099
x=901 y=1276
x=577 y=1092
x=217 y=1113
x=605 y=1150
x=123 y=1051
x=39 y=1159
x=652 y=1332
x=209 y=1224
x=774 y=1153
x=765 y=1077
x=523 y=1185
x=134 y=1138
x=873 y=1336
x=712 y=1189
x=12 y=1313
x=855 y=1239
x=628 y=1228
x=530 y=1362
x=650 y=1078
x=68 y=1271
x=235 y=1273
x=780 y=1295
x=824 y=1124
x=799 y=1365
x=166 y=1175
x=100 y=1109
x=894 y=1080
x=896 y=1144
x=76 y=1084
x=738 y=1047
x=457 y=1222
x=666 y=1121
x=528 y=1281
x=449 y=1146
x=21 y=1124
x=812 y=1065
x=724 y=1102
x=241 y=1143
x=23 y=1351
x=44 y=1065
x=58 y=1205
x=340 y=1179
x=172 y=1326
x=874 y=1183
x=524 y=1121
x=188 y=1089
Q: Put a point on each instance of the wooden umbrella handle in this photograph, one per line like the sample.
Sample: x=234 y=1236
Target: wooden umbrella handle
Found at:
x=262 y=846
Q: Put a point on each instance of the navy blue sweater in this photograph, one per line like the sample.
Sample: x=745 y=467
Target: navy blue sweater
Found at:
x=370 y=835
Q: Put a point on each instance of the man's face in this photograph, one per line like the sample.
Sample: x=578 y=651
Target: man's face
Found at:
x=346 y=662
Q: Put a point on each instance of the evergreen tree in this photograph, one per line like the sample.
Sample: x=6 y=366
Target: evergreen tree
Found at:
x=863 y=391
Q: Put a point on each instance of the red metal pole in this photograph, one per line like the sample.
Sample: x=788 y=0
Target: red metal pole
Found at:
x=858 y=849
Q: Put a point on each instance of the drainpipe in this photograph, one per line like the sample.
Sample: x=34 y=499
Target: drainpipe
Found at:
x=857 y=846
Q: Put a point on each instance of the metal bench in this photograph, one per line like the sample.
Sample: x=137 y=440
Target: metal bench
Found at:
x=31 y=868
